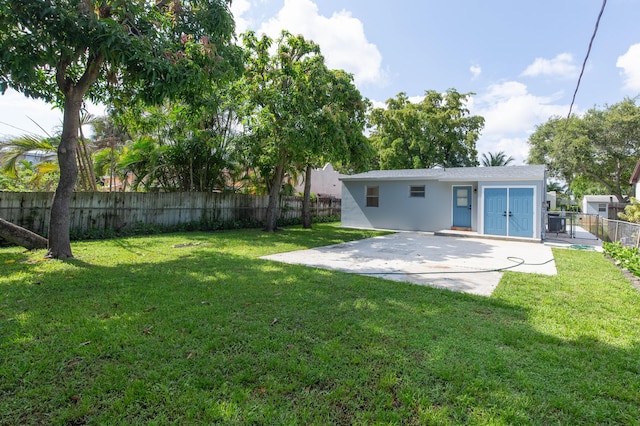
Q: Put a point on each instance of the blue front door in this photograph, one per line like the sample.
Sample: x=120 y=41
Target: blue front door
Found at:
x=462 y=206
x=495 y=211
x=508 y=211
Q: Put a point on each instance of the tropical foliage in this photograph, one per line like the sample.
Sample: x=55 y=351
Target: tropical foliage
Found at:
x=296 y=112
x=625 y=257
x=437 y=131
x=66 y=52
x=498 y=159
x=597 y=151
x=631 y=212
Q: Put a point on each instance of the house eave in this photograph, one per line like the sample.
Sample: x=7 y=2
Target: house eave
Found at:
x=636 y=174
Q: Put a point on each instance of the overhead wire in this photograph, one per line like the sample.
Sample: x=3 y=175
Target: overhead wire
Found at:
x=584 y=63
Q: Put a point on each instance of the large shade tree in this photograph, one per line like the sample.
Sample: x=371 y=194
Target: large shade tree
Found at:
x=437 y=131
x=336 y=129
x=597 y=150
x=294 y=109
x=69 y=51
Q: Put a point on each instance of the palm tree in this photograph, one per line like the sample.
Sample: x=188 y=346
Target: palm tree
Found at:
x=556 y=187
x=498 y=159
x=14 y=149
x=17 y=148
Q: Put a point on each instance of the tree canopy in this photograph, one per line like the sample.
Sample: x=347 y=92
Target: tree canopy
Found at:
x=295 y=111
x=598 y=150
x=66 y=52
x=437 y=131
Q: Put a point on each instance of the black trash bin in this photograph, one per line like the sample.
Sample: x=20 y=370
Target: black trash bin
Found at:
x=557 y=224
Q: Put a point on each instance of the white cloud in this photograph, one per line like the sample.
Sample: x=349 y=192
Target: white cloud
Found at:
x=238 y=9
x=630 y=64
x=416 y=99
x=378 y=104
x=561 y=66
x=341 y=38
x=511 y=114
x=509 y=108
x=517 y=148
x=475 y=71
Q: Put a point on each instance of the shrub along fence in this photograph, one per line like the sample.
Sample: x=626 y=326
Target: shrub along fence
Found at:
x=114 y=212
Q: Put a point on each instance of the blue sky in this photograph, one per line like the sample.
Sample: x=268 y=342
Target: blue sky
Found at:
x=521 y=59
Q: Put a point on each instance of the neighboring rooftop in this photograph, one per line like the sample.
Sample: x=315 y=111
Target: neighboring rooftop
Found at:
x=529 y=172
x=601 y=198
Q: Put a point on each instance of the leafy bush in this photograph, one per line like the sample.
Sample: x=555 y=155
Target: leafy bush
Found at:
x=631 y=212
x=625 y=257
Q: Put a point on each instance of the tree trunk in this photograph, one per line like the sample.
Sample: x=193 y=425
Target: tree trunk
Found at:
x=306 y=199
x=20 y=236
x=59 y=240
x=273 y=208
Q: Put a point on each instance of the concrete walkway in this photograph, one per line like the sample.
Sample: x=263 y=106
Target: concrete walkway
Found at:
x=471 y=265
x=578 y=238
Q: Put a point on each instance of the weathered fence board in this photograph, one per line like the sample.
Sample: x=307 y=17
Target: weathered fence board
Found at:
x=118 y=210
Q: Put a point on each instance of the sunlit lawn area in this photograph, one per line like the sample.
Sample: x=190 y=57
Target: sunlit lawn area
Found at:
x=194 y=328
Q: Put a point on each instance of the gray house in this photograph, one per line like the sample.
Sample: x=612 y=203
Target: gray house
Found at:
x=505 y=201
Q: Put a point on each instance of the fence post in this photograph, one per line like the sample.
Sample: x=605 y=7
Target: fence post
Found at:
x=572 y=230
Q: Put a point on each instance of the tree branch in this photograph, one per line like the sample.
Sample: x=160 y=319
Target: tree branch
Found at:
x=65 y=61
x=94 y=63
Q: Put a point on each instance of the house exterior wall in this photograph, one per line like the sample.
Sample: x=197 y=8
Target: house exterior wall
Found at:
x=552 y=200
x=397 y=210
x=325 y=181
x=593 y=207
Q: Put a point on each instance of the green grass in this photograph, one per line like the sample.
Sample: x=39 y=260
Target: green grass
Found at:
x=194 y=328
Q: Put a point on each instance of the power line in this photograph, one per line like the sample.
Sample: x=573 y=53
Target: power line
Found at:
x=584 y=64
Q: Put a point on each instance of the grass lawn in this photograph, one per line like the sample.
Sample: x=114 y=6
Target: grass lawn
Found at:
x=194 y=328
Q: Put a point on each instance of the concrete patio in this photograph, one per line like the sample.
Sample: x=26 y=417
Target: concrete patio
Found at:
x=467 y=264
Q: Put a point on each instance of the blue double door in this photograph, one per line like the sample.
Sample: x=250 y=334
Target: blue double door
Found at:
x=508 y=211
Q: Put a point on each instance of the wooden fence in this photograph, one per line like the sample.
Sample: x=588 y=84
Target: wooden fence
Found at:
x=117 y=210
